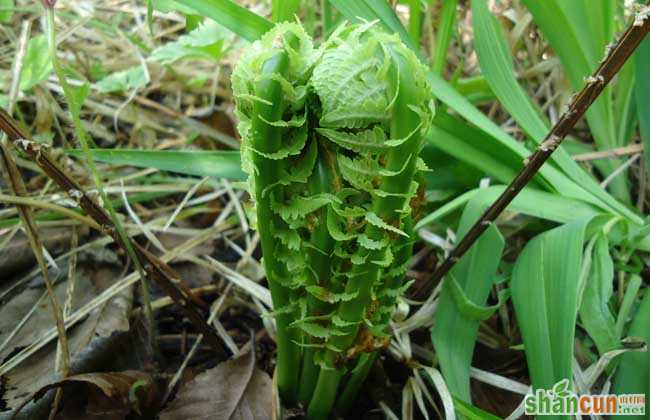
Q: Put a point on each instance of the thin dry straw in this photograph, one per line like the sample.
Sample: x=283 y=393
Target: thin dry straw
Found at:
x=15 y=181
x=168 y=280
x=105 y=296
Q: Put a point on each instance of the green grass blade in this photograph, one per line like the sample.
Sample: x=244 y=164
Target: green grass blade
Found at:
x=543 y=205
x=625 y=104
x=595 y=314
x=6 y=10
x=454 y=333
x=633 y=286
x=540 y=204
x=575 y=9
x=444 y=35
x=568 y=39
x=284 y=10
x=545 y=296
x=531 y=202
x=500 y=146
x=642 y=89
x=238 y=19
x=633 y=375
x=221 y=164
x=496 y=64
x=560 y=33
x=469 y=412
x=475 y=89
x=560 y=182
x=458 y=141
x=593 y=23
x=415 y=20
x=167 y=6
x=371 y=10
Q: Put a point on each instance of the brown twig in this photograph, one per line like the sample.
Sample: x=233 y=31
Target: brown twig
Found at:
x=166 y=278
x=17 y=185
x=614 y=60
x=15 y=181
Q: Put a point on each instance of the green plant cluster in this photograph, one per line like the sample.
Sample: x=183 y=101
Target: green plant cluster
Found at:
x=575 y=251
x=331 y=137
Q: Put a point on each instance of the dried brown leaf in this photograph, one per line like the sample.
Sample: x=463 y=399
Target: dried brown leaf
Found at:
x=234 y=390
x=113 y=393
x=90 y=342
x=17 y=254
x=92 y=280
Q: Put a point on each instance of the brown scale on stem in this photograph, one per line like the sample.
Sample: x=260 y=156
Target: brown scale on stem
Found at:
x=365 y=342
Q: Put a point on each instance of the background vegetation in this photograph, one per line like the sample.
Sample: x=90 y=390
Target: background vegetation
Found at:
x=557 y=288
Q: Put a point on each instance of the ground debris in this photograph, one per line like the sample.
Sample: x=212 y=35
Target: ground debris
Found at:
x=235 y=390
x=111 y=393
x=94 y=342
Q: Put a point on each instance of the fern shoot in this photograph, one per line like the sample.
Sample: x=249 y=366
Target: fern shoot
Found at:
x=331 y=138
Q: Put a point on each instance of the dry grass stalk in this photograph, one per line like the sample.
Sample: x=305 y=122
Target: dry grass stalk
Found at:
x=17 y=185
x=159 y=272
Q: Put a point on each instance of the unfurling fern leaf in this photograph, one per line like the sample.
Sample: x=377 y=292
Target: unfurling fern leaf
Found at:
x=330 y=140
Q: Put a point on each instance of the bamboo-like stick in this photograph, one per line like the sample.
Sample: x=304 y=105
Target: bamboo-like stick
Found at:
x=615 y=58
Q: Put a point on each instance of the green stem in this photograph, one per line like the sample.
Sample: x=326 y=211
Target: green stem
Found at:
x=402 y=161
x=308 y=376
x=445 y=31
x=325 y=392
x=320 y=261
x=267 y=139
x=326 y=10
x=284 y=10
x=402 y=250
x=357 y=378
x=415 y=20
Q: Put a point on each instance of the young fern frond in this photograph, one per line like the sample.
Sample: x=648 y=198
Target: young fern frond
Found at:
x=331 y=139
x=270 y=88
x=387 y=92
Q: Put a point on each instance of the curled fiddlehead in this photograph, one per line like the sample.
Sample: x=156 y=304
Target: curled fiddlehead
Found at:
x=375 y=107
x=270 y=88
x=330 y=140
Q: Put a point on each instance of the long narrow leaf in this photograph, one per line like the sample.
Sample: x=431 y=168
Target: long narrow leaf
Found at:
x=454 y=333
x=470 y=412
x=370 y=10
x=284 y=10
x=625 y=103
x=220 y=164
x=642 y=66
x=566 y=36
x=444 y=34
x=545 y=283
x=469 y=145
x=595 y=314
x=238 y=19
x=530 y=202
x=496 y=64
x=633 y=375
x=500 y=146
x=447 y=94
x=593 y=22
